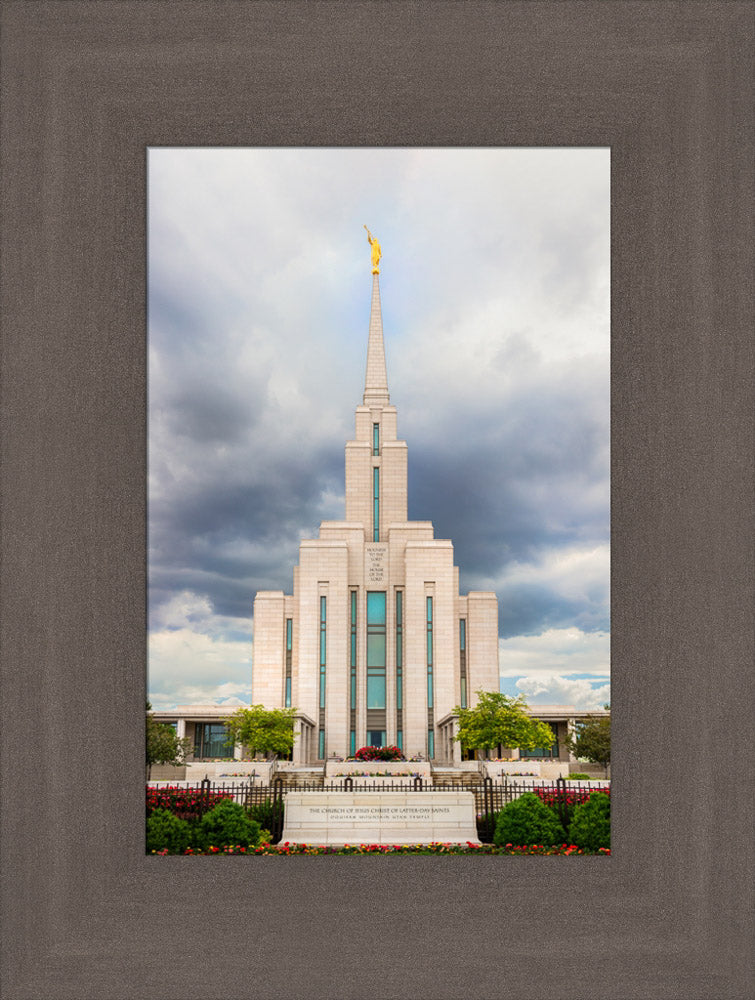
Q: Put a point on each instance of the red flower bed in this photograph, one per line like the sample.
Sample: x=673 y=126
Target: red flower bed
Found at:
x=563 y=850
x=572 y=797
x=186 y=803
x=379 y=753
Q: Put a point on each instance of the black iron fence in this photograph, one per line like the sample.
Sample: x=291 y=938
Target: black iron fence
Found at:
x=266 y=803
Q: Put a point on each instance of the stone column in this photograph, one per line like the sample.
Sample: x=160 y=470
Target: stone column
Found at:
x=300 y=749
x=570 y=727
x=455 y=748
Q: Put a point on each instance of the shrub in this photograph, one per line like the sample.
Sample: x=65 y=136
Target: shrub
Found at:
x=227 y=823
x=572 y=797
x=578 y=777
x=591 y=826
x=525 y=821
x=167 y=832
x=268 y=814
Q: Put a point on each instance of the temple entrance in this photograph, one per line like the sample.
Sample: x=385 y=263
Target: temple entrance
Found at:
x=375 y=737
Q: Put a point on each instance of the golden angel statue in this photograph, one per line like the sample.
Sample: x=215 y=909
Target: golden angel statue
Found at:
x=376 y=252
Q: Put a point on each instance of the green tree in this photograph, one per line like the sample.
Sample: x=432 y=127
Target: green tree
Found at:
x=592 y=740
x=163 y=743
x=499 y=719
x=263 y=730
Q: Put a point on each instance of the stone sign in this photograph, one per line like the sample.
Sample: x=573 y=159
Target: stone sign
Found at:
x=376 y=562
x=338 y=818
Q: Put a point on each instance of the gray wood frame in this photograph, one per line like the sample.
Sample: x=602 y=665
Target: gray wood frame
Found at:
x=87 y=86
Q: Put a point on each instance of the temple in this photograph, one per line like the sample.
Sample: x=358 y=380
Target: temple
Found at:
x=375 y=646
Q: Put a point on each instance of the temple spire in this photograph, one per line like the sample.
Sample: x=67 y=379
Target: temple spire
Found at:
x=376 y=379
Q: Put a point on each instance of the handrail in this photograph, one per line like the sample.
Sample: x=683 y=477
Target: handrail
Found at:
x=273 y=767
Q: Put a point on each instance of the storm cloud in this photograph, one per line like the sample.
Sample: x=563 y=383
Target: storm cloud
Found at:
x=495 y=297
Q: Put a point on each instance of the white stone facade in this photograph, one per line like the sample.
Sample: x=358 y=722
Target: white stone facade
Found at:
x=433 y=649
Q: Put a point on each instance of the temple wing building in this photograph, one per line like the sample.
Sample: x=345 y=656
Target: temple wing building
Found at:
x=375 y=646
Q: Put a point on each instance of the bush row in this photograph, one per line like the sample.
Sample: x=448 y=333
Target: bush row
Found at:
x=225 y=825
x=528 y=820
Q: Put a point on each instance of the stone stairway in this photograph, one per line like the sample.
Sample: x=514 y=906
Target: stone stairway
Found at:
x=310 y=776
x=455 y=777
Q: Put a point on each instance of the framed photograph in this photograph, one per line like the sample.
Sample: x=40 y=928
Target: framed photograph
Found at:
x=88 y=89
x=282 y=339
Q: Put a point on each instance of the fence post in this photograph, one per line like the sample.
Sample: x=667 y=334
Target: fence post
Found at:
x=418 y=783
x=205 y=794
x=348 y=783
x=563 y=812
x=277 y=810
x=487 y=791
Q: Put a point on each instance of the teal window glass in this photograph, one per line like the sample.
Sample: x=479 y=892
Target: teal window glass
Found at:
x=376 y=505
x=429 y=652
x=400 y=740
x=323 y=647
x=210 y=740
x=352 y=743
x=399 y=650
x=376 y=439
x=430 y=743
x=463 y=660
x=376 y=690
x=376 y=737
x=353 y=652
x=375 y=608
x=289 y=644
x=321 y=744
x=376 y=649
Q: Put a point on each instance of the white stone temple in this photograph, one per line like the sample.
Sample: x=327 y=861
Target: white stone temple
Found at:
x=375 y=646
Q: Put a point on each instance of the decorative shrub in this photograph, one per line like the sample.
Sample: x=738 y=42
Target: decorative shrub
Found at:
x=527 y=821
x=578 y=777
x=572 y=798
x=267 y=814
x=379 y=753
x=167 y=832
x=591 y=826
x=227 y=824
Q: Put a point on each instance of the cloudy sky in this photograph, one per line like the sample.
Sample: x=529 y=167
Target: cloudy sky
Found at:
x=495 y=297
